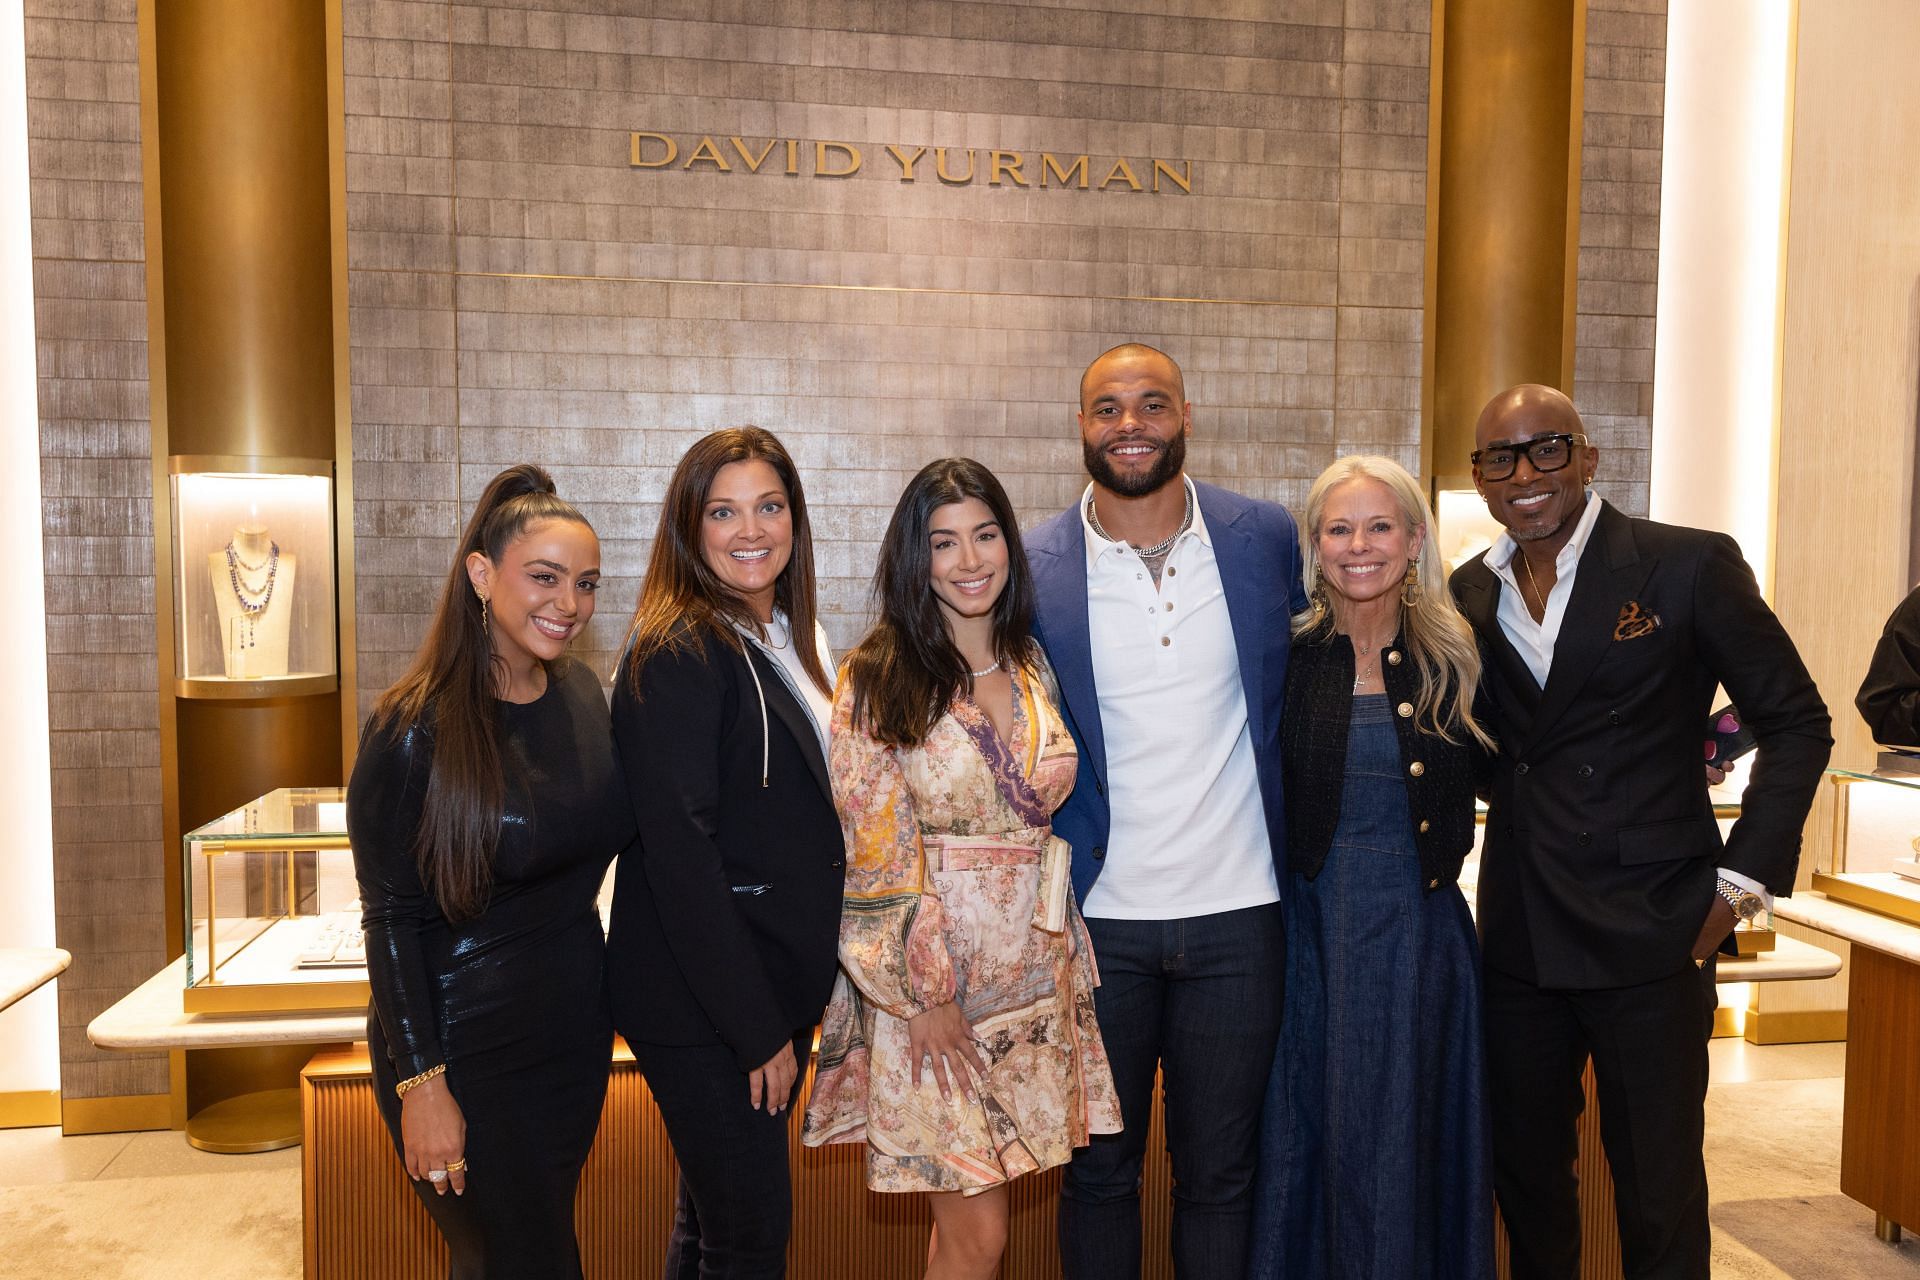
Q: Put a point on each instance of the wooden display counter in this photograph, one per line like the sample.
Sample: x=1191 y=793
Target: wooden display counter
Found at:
x=362 y=1221
x=1880 y=1122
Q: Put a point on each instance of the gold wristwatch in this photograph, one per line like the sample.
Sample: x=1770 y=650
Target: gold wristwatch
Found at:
x=1746 y=904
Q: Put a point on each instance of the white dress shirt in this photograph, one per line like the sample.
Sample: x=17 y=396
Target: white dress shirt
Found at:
x=1535 y=640
x=1189 y=830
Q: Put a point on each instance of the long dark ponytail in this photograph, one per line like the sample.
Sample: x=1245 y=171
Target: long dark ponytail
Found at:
x=907 y=670
x=449 y=692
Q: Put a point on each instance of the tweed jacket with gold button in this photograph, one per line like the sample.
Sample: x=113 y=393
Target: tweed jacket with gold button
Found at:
x=1441 y=777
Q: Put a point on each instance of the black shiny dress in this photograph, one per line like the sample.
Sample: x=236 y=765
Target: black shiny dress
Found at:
x=513 y=1000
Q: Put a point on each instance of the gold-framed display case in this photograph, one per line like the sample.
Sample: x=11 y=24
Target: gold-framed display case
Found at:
x=273 y=911
x=253 y=576
x=1875 y=857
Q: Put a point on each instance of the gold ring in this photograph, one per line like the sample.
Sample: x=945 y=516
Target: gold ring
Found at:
x=455 y=1166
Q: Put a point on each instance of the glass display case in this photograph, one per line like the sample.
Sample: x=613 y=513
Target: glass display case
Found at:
x=273 y=911
x=1874 y=861
x=253 y=577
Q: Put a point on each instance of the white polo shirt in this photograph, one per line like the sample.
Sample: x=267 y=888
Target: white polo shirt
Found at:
x=1189 y=831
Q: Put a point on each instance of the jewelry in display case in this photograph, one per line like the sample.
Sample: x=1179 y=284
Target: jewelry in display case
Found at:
x=1876 y=835
x=273 y=907
x=253 y=554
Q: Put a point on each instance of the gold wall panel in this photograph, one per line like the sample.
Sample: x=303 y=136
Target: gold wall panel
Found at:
x=246 y=232
x=1501 y=302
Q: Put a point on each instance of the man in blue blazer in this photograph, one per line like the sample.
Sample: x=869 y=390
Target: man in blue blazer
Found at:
x=1164 y=606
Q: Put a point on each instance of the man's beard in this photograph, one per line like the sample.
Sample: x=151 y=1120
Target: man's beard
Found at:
x=1535 y=535
x=1172 y=457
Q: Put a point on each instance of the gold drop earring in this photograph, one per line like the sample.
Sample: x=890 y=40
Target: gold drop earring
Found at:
x=1410 y=589
x=486 y=623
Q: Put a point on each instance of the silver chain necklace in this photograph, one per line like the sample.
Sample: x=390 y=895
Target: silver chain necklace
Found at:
x=1158 y=549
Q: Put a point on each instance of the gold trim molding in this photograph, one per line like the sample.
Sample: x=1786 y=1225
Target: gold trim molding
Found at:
x=127 y=1113
x=1795 y=1026
x=29 y=1108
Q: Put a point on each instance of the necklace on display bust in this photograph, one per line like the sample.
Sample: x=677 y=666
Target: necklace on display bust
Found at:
x=1158 y=549
x=253 y=599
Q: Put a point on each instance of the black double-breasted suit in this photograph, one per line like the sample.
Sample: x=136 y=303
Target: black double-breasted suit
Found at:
x=1601 y=847
x=1599 y=870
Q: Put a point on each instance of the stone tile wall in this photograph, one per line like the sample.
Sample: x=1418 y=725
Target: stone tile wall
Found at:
x=1620 y=238
x=520 y=291
x=90 y=317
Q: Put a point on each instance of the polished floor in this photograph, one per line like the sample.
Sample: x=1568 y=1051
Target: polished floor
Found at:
x=148 y=1206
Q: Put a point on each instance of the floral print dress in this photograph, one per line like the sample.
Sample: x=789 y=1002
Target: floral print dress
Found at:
x=949 y=856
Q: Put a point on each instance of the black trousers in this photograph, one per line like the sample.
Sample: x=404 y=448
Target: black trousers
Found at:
x=1199 y=1000
x=734 y=1208
x=1649 y=1049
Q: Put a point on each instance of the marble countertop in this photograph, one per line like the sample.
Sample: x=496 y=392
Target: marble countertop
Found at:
x=1790 y=960
x=24 y=970
x=1857 y=925
x=150 y=1017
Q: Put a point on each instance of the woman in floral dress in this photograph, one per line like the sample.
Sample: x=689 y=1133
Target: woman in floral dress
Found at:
x=960 y=1042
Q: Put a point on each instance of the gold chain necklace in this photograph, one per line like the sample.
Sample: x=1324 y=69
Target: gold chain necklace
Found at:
x=1528 y=570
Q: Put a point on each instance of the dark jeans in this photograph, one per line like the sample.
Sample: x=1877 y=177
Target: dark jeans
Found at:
x=1649 y=1050
x=734 y=1208
x=1199 y=999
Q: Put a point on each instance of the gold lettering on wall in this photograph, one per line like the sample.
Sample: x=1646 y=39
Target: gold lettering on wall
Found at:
x=831 y=159
x=750 y=160
x=1065 y=176
x=711 y=154
x=1122 y=171
x=820 y=150
x=906 y=161
x=638 y=162
x=940 y=167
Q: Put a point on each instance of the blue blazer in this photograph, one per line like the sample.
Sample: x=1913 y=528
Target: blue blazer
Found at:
x=1257 y=547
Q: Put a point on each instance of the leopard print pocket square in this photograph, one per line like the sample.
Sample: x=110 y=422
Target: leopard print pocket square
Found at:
x=1635 y=622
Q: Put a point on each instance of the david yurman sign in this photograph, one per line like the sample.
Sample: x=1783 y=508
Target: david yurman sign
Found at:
x=951 y=166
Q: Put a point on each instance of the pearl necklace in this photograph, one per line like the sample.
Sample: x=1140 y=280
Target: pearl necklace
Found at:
x=987 y=670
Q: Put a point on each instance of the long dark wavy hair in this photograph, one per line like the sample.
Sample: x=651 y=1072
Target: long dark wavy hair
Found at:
x=449 y=692
x=908 y=670
x=683 y=596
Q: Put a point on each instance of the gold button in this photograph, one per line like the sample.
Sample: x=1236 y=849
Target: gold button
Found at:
x=1416 y=768
x=1165 y=641
x=1169 y=606
x=1393 y=657
x=1405 y=709
x=1425 y=826
x=1434 y=883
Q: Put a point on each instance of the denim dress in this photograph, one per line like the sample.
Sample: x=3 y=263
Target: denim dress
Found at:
x=1374 y=1162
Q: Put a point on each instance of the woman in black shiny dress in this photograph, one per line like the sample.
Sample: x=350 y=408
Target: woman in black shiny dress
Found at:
x=484 y=809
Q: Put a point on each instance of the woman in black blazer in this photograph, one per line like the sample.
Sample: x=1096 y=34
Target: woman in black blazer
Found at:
x=721 y=954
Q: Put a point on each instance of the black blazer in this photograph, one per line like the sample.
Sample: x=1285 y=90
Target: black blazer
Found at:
x=1313 y=756
x=726 y=919
x=1889 y=698
x=1601 y=846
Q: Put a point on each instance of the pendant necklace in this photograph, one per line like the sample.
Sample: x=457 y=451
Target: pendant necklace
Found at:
x=253 y=599
x=1528 y=570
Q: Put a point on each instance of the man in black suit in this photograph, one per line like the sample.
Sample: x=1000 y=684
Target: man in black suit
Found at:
x=1604 y=887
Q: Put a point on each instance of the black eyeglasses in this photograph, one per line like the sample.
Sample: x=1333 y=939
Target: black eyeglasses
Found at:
x=1545 y=453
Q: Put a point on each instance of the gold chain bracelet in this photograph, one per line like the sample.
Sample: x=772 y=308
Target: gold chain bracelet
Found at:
x=414 y=1082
